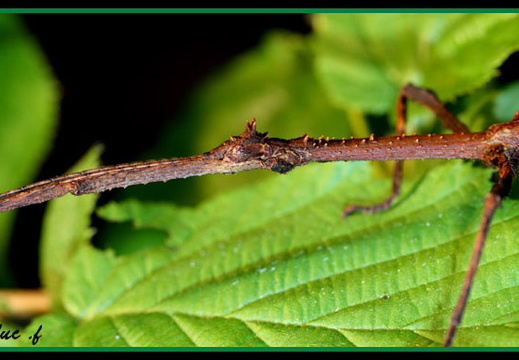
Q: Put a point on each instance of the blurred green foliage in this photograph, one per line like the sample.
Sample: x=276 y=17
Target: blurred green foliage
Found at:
x=29 y=105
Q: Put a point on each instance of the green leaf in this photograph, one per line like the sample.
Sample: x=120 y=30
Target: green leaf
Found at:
x=80 y=286
x=364 y=59
x=274 y=264
x=506 y=104
x=146 y=329
x=28 y=113
x=66 y=225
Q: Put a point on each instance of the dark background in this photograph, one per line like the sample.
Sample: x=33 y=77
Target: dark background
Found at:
x=122 y=77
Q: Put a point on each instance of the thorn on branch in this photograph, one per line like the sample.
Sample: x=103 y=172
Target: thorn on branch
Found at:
x=250 y=131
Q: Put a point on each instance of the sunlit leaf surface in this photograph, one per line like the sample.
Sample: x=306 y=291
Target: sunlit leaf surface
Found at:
x=275 y=265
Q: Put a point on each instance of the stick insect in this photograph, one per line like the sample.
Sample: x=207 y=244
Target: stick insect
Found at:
x=497 y=147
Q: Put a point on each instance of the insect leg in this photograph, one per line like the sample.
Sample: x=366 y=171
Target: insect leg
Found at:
x=492 y=201
x=428 y=99
x=401 y=106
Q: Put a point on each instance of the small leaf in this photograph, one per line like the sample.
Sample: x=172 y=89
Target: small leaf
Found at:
x=506 y=104
x=364 y=59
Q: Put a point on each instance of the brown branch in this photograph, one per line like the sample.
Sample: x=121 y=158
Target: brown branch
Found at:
x=253 y=150
x=23 y=304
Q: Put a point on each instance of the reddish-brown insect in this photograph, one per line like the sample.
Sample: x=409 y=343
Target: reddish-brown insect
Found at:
x=497 y=147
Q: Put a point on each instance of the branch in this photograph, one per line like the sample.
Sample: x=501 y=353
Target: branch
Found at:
x=253 y=151
x=23 y=304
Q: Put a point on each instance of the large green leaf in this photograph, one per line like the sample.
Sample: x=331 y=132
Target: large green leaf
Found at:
x=28 y=113
x=364 y=59
x=274 y=264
